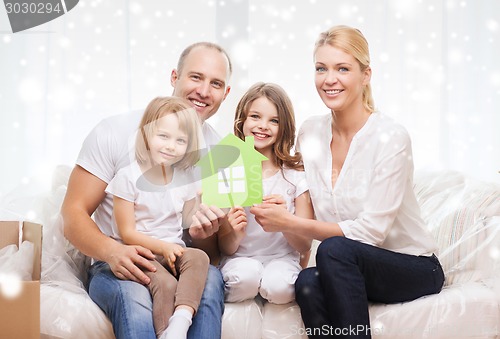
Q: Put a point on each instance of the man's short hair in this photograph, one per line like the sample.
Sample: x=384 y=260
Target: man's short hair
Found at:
x=206 y=44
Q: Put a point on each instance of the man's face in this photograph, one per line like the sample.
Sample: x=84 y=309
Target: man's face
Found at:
x=203 y=80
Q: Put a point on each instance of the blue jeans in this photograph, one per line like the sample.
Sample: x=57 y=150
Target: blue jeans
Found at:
x=130 y=308
x=333 y=296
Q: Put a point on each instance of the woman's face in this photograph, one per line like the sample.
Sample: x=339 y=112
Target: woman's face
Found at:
x=339 y=79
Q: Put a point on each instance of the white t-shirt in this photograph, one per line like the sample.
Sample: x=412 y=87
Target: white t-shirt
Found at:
x=158 y=209
x=263 y=245
x=373 y=199
x=109 y=147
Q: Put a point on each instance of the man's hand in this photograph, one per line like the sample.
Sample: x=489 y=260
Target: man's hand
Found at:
x=206 y=222
x=125 y=262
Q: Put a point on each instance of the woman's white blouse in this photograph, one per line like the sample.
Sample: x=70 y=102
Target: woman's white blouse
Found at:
x=373 y=199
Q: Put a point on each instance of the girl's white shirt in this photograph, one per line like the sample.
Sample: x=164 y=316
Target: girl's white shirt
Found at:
x=109 y=147
x=265 y=246
x=157 y=208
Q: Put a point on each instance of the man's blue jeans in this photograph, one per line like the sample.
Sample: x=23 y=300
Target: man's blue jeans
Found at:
x=333 y=296
x=129 y=305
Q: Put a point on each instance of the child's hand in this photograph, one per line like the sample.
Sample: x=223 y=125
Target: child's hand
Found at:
x=170 y=252
x=238 y=219
x=276 y=199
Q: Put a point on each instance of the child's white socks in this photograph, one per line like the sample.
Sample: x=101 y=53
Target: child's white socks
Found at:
x=178 y=325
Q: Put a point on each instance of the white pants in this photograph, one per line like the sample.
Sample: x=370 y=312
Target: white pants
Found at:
x=244 y=278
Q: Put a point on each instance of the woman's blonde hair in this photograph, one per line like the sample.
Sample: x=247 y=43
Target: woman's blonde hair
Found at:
x=351 y=41
x=286 y=117
x=189 y=123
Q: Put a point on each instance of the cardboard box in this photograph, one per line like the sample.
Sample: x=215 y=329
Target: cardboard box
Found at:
x=20 y=316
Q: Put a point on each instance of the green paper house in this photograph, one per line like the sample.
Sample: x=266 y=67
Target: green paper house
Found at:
x=236 y=182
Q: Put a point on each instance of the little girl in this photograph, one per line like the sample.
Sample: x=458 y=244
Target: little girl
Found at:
x=255 y=261
x=152 y=196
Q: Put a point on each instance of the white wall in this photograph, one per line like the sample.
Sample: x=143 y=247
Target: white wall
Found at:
x=435 y=69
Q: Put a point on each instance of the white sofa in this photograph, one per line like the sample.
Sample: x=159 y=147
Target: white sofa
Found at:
x=463 y=214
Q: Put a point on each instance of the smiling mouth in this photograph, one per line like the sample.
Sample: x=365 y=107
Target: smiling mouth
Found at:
x=260 y=135
x=167 y=155
x=198 y=103
x=333 y=91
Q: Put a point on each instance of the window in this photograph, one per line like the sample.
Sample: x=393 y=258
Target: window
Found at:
x=231 y=180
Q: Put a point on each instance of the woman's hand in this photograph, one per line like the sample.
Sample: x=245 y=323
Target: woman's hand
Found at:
x=272 y=217
x=276 y=199
x=170 y=252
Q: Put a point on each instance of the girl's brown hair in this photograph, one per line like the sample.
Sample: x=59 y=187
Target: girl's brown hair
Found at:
x=286 y=117
x=189 y=123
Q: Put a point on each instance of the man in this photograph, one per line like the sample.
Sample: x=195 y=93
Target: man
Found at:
x=116 y=280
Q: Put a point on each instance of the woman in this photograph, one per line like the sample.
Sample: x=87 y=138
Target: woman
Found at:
x=359 y=168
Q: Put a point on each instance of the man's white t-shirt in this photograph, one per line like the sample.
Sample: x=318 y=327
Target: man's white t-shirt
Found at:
x=110 y=147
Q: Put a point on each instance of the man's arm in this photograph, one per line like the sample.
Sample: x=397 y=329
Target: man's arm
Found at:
x=84 y=194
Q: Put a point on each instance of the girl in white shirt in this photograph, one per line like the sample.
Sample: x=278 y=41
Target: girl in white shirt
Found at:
x=254 y=261
x=359 y=168
x=151 y=199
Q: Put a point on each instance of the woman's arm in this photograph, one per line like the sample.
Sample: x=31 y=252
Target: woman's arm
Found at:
x=373 y=207
x=274 y=218
x=232 y=231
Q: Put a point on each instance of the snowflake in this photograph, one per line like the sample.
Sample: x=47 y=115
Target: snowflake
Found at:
x=135 y=8
x=492 y=25
x=384 y=137
x=10 y=285
x=30 y=90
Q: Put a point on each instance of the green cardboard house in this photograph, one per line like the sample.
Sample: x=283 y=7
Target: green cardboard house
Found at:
x=238 y=183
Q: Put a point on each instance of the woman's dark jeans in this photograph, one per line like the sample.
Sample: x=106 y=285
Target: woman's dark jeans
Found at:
x=333 y=296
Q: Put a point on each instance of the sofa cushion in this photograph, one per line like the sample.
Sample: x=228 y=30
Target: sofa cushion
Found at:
x=66 y=311
x=259 y=319
x=458 y=211
x=242 y=320
x=282 y=322
x=462 y=310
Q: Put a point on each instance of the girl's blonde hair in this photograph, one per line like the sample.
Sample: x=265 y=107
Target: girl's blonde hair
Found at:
x=286 y=117
x=351 y=41
x=189 y=123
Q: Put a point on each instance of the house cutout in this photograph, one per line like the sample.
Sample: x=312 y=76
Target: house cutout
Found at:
x=236 y=184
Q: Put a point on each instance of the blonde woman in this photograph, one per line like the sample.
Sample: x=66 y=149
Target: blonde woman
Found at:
x=359 y=167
